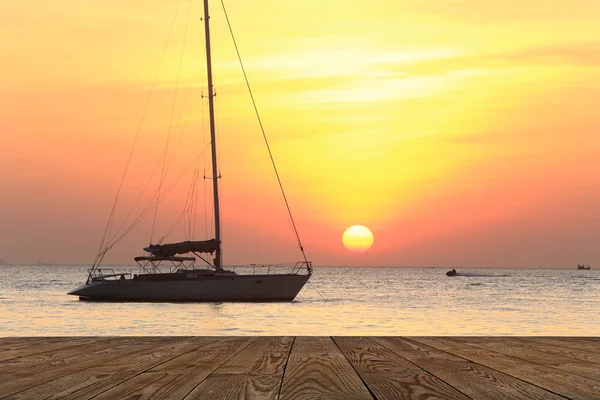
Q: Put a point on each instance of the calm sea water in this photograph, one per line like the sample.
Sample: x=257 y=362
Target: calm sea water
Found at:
x=359 y=301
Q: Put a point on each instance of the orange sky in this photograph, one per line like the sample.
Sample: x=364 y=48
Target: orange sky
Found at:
x=462 y=132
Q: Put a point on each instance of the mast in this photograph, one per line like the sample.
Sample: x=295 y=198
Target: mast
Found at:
x=213 y=143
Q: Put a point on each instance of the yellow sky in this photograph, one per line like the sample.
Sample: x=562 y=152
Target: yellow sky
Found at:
x=461 y=132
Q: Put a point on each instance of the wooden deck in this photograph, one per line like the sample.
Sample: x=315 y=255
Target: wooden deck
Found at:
x=300 y=368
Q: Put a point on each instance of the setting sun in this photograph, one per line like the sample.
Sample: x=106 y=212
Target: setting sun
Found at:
x=357 y=238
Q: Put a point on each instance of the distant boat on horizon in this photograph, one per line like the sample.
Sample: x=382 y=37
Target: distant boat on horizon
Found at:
x=168 y=275
x=583 y=267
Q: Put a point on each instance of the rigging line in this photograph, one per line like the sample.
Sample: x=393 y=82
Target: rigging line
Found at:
x=168 y=168
x=185 y=121
x=205 y=207
x=187 y=225
x=137 y=133
x=138 y=200
x=149 y=207
x=204 y=168
x=177 y=221
x=185 y=207
x=156 y=168
x=194 y=188
x=161 y=197
x=186 y=211
x=221 y=216
x=191 y=212
x=196 y=203
x=263 y=133
x=191 y=207
x=313 y=286
x=170 y=131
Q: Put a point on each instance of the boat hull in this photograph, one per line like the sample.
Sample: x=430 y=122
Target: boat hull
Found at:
x=238 y=288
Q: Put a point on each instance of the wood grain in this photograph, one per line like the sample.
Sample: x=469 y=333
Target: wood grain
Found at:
x=581 y=344
x=390 y=376
x=566 y=384
x=256 y=372
x=93 y=381
x=317 y=369
x=285 y=368
x=538 y=353
x=22 y=347
x=26 y=372
x=177 y=377
x=472 y=379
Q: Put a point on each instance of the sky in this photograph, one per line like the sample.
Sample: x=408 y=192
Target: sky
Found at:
x=461 y=132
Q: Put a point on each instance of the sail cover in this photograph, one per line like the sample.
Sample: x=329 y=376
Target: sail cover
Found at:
x=170 y=249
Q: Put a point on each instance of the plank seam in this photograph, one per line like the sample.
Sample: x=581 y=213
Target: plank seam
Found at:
x=67 y=346
x=524 y=359
x=565 y=346
x=354 y=369
x=149 y=368
x=420 y=367
x=494 y=369
x=285 y=368
x=58 y=377
x=219 y=366
x=568 y=357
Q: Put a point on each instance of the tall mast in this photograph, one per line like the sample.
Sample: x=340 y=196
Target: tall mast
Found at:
x=213 y=143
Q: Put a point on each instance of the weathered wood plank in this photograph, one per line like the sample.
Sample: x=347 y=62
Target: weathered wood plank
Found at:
x=58 y=356
x=255 y=372
x=472 y=379
x=534 y=352
x=178 y=377
x=581 y=344
x=34 y=370
x=317 y=369
x=287 y=368
x=95 y=380
x=21 y=347
x=566 y=384
x=390 y=376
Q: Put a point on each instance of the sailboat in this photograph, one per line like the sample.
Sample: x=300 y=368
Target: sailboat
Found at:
x=167 y=271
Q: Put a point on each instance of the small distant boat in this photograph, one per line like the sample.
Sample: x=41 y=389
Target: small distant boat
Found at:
x=583 y=267
x=452 y=272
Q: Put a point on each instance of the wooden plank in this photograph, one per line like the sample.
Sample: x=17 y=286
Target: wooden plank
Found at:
x=256 y=372
x=34 y=370
x=21 y=347
x=561 y=382
x=317 y=369
x=12 y=343
x=474 y=380
x=56 y=356
x=581 y=344
x=177 y=377
x=95 y=380
x=537 y=353
x=389 y=376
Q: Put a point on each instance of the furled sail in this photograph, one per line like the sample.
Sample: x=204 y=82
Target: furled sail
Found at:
x=170 y=249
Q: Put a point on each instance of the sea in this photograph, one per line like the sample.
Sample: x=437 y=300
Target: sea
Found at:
x=336 y=301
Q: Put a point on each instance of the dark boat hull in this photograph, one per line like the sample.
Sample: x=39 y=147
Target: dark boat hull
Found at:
x=236 y=288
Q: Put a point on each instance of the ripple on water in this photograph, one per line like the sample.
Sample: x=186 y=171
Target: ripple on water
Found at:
x=360 y=301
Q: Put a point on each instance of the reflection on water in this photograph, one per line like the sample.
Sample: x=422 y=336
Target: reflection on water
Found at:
x=360 y=301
